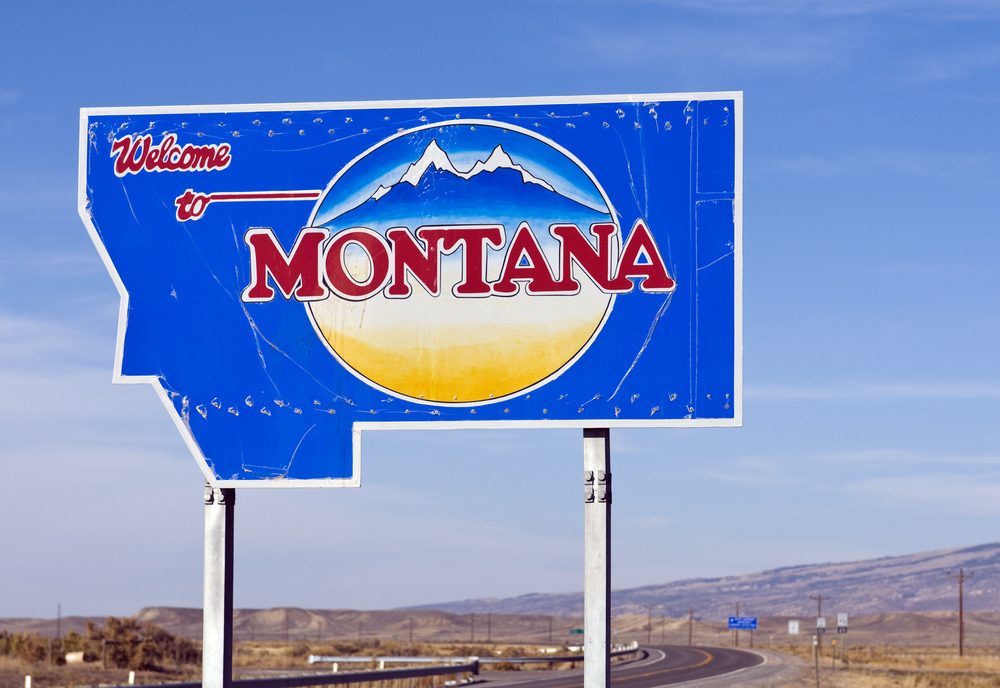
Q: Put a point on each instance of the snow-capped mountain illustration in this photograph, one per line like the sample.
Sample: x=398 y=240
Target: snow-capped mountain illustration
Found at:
x=495 y=189
x=434 y=156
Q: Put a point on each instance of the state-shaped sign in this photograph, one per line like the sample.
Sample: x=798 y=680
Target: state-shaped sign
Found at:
x=291 y=275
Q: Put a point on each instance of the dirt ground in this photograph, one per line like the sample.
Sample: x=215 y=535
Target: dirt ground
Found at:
x=863 y=666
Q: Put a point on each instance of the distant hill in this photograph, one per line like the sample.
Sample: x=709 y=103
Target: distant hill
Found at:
x=324 y=625
x=912 y=598
x=909 y=583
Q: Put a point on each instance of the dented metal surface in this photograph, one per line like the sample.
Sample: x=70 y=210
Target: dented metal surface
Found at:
x=258 y=309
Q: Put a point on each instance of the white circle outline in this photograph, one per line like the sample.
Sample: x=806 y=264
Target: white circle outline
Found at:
x=524 y=390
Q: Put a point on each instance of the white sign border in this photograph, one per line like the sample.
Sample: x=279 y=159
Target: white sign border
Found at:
x=358 y=427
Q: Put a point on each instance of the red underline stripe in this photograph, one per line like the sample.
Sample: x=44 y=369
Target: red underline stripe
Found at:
x=265 y=195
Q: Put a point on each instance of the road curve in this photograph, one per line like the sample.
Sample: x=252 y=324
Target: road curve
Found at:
x=664 y=665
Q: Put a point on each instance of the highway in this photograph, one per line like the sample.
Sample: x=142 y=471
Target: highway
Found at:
x=663 y=665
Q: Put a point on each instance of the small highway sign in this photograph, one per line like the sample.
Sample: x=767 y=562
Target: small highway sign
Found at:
x=742 y=623
x=841 y=623
x=576 y=631
x=793 y=627
x=821 y=624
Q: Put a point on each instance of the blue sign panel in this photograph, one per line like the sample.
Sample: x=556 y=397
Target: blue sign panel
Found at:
x=743 y=623
x=292 y=275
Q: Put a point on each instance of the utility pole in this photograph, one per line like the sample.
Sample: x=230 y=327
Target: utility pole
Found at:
x=690 y=627
x=58 y=630
x=816 y=655
x=736 y=631
x=550 y=629
x=961 y=577
x=472 y=629
x=489 y=626
x=819 y=599
x=411 y=629
x=649 y=624
x=663 y=628
x=286 y=624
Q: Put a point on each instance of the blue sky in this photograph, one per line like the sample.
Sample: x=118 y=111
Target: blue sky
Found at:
x=872 y=162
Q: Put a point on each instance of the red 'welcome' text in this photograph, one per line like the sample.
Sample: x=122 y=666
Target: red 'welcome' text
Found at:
x=135 y=154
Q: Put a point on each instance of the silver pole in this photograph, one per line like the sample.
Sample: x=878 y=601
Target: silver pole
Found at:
x=597 y=557
x=217 y=630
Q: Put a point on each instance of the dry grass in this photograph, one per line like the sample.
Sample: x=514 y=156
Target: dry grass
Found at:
x=885 y=666
x=261 y=657
x=13 y=664
x=44 y=676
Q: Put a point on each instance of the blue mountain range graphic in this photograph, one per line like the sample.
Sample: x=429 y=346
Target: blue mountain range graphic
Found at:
x=496 y=190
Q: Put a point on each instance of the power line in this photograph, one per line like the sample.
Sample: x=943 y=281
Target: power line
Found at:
x=819 y=599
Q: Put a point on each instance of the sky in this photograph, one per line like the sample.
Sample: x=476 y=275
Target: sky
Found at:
x=872 y=382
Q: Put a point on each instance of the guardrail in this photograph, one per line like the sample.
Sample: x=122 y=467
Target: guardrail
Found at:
x=333 y=679
x=447 y=666
x=381 y=662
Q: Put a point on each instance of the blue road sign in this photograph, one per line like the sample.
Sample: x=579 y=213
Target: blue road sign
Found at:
x=743 y=623
x=291 y=275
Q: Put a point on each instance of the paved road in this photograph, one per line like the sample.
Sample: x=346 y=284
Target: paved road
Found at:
x=664 y=665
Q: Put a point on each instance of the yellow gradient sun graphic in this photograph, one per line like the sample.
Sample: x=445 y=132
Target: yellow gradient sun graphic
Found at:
x=452 y=350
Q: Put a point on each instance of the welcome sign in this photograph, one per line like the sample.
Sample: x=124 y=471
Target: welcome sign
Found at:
x=294 y=274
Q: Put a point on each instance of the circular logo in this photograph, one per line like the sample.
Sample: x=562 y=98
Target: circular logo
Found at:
x=448 y=217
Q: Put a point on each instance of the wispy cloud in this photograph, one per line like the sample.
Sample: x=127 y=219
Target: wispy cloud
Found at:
x=866 y=391
x=700 y=43
x=29 y=343
x=955 y=9
x=651 y=522
x=9 y=95
x=956 y=65
x=749 y=470
x=853 y=164
x=886 y=457
x=51 y=262
x=945 y=492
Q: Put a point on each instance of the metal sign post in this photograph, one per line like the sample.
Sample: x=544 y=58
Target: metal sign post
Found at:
x=217 y=631
x=597 y=557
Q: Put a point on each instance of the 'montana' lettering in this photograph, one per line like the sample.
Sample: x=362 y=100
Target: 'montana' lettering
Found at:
x=316 y=267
